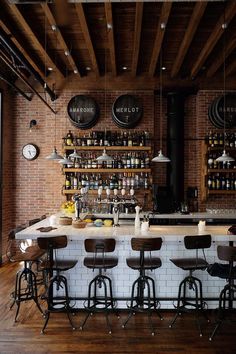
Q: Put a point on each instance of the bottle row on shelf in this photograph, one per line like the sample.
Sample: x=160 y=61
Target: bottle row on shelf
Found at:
x=216 y=139
x=108 y=138
x=221 y=182
x=112 y=181
x=124 y=160
x=213 y=164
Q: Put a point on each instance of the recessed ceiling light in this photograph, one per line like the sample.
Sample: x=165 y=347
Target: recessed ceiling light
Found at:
x=163 y=68
x=163 y=25
x=109 y=26
x=75 y=71
x=50 y=68
x=54 y=28
x=124 y=67
x=88 y=68
x=67 y=53
x=224 y=25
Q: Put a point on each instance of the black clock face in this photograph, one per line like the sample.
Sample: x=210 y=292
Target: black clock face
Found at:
x=83 y=111
x=30 y=151
x=127 y=111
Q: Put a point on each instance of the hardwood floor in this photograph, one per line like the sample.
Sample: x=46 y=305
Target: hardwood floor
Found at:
x=24 y=336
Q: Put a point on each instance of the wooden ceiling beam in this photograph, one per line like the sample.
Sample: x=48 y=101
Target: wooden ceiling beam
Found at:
x=110 y=33
x=137 y=36
x=61 y=40
x=219 y=60
x=82 y=19
x=23 y=23
x=165 y=12
x=217 y=32
x=230 y=68
x=196 y=17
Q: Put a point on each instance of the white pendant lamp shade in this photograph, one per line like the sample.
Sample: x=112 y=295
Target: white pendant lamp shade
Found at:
x=225 y=158
x=104 y=157
x=75 y=155
x=160 y=158
x=54 y=155
x=65 y=161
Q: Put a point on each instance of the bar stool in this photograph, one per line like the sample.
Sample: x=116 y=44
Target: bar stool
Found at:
x=100 y=296
x=184 y=304
x=227 y=295
x=25 y=282
x=58 y=281
x=143 y=295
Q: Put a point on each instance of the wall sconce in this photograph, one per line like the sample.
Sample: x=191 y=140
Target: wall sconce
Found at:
x=32 y=124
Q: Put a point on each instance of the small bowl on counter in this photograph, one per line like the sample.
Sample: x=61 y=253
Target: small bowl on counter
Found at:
x=98 y=223
x=108 y=222
x=65 y=220
x=79 y=224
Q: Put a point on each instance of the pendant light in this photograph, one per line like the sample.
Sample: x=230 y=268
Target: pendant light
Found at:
x=160 y=157
x=65 y=161
x=74 y=155
x=224 y=157
x=54 y=156
x=105 y=157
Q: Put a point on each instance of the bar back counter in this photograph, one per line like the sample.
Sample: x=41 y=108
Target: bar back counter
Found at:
x=167 y=278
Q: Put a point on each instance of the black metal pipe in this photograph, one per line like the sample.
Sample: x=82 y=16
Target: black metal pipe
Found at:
x=175 y=144
x=11 y=47
x=29 y=98
x=9 y=64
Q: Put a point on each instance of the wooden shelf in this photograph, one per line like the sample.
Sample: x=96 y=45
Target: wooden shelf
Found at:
x=107 y=170
x=217 y=148
x=221 y=191
x=111 y=148
x=222 y=170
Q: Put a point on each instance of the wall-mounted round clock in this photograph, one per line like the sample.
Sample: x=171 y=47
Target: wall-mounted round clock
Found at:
x=30 y=151
x=127 y=111
x=83 y=111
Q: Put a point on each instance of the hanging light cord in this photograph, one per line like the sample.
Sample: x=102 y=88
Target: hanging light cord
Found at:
x=161 y=100
x=224 y=78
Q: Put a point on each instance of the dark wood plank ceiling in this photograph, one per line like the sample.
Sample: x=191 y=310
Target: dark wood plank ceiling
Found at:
x=123 y=39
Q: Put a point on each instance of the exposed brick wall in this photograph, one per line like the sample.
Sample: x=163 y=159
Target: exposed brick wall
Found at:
x=8 y=210
x=34 y=188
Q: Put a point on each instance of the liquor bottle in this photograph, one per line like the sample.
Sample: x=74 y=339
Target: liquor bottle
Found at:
x=75 y=182
x=125 y=139
x=218 y=182
x=209 y=182
x=69 y=139
x=130 y=141
x=146 y=181
x=67 y=182
x=210 y=139
x=89 y=140
x=223 y=185
x=227 y=182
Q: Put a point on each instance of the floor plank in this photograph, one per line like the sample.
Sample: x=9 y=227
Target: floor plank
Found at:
x=24 y=336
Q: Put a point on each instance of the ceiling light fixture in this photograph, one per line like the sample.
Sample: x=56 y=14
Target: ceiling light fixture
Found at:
x=75 y=155
x=224 y=157
x=54 y=156
x=105 y=157
x=160 y=157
